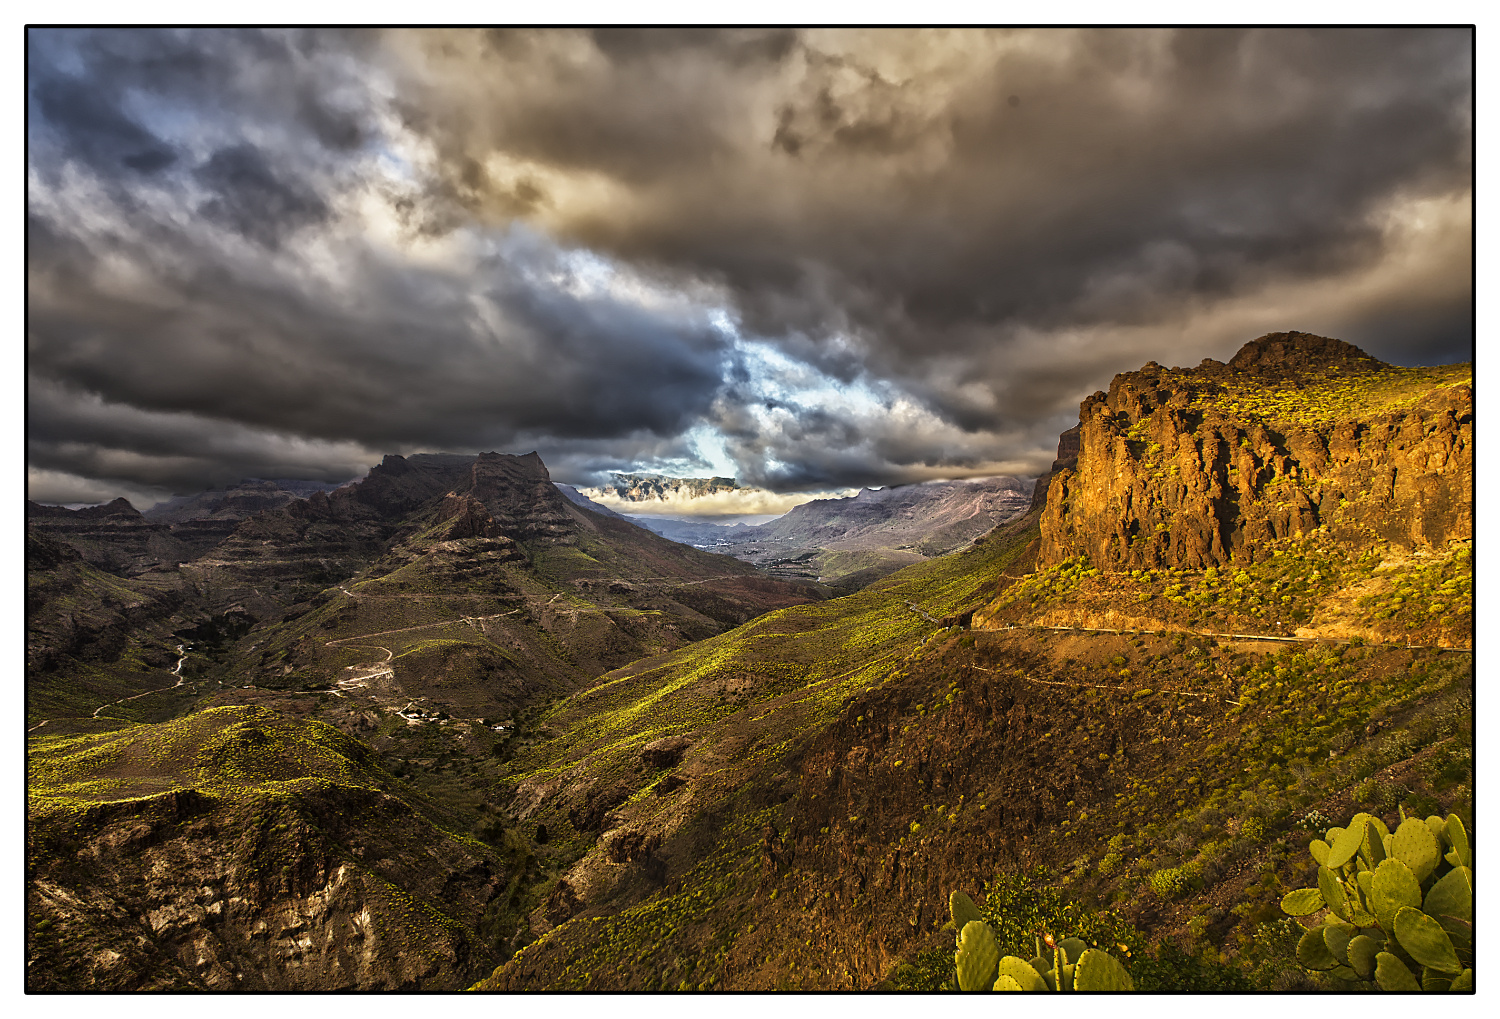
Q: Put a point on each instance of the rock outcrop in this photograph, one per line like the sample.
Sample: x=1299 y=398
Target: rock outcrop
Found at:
x=1298 y=434
x=322 y=881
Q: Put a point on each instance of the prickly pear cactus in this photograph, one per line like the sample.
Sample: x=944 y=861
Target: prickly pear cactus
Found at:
x=1068 y=965
x=977 y=956
x=1393 y=908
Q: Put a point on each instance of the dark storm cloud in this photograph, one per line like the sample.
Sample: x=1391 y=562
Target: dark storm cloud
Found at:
x=938 y=203
x=388 y=358
x=251 y=199
x=269 y=251
x=165 y=353
x=97 y=130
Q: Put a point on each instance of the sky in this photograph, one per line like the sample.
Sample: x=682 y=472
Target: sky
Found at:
x=809 y=260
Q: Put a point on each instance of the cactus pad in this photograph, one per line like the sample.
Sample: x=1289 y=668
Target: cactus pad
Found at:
x=1302 y=902
x=1436 y=980
x=1361 y=952
x=963 y=910
x=1392 y=888
x=1342 y=848
x=1331 y=890
x=977 y=956
x=1005 y=982
x=1416 y=846
x=1319 y=850
x=1337 y=936
x=1373 y=847
x=1100 y=971
x=1451 y=903
x=1021 y=973
x=1391 y=974
x=1459 y=840
x=1072 y=948
x=1312 y=951
x=1425 y=940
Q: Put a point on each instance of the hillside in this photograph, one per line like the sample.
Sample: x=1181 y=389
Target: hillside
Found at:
x=422 y=614
x=642 y=766
x=114 y=537
x=791 y=818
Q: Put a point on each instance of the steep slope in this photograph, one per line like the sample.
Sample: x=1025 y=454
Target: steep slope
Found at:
x=92 y=635
x=657 y=785
x=238 y=850
x=199 y=522
x=283 y=556
x=577 y=498
x=501 y=590
x=788 y=805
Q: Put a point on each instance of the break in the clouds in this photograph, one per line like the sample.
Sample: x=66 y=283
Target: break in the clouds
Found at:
x=807 y=259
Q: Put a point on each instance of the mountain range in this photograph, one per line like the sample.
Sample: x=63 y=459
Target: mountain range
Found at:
x=447 y=727
x=849 y=542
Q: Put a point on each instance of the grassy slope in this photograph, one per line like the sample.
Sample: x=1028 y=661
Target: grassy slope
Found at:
x=1333 y=395
x=751 y=701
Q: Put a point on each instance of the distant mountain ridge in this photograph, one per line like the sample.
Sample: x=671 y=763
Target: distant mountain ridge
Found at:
x=659 y=487
x=858 y=539
x=235 y=502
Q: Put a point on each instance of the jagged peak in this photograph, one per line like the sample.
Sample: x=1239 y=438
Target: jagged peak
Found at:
x=1295 y=350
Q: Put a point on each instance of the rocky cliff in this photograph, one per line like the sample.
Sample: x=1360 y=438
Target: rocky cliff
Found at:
x=1297 y=435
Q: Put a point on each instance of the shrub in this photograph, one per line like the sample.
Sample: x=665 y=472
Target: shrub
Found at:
x=1169 y=883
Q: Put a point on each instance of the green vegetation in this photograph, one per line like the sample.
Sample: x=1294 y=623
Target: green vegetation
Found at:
x=801 y=663
x=1293 y=583
x=1439 y=591
x=1394 y=906
x=225 y=752
x=1334 y=394
x=1065 y=965
x=1026 y=922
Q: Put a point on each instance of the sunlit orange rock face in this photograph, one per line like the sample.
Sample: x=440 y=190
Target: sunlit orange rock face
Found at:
x=1297 y=435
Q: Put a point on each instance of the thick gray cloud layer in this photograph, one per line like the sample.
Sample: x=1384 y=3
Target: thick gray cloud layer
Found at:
x=843 y=258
